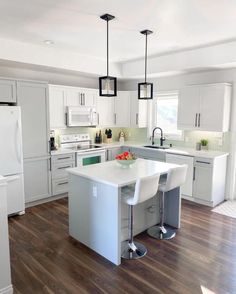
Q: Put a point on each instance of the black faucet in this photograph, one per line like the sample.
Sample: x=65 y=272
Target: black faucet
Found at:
x=162 y=139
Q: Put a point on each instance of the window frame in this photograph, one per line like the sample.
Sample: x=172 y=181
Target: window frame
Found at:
x=165 y=95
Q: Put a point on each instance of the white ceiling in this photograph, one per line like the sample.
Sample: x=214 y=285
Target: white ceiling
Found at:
x=75 y=25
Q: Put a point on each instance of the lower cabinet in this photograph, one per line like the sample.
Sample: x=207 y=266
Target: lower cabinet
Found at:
x=37 y=177
x=112 y=152
x=209 y=180
x=187 y=188
x=59 y=174
x=148 y=153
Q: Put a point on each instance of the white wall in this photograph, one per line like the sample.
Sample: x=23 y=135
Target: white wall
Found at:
x=52 y=76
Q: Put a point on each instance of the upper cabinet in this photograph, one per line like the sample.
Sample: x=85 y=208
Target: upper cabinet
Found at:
x=105 y=110
x=138 y=111
x=122 y=109
x=205 y=108
x=80 y=97
x=57 y=108
x=7 y=91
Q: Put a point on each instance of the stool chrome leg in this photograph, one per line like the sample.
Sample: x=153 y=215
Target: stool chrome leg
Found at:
x=133 y=250
x=161 y=231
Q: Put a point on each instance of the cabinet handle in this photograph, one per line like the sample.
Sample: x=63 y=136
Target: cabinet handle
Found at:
x=63 y=183
x=50 y=164
x=65 y=118
x=115 y=118
x=196 y=120
x=80 y=98
x=84 y=98
x=136 y=118
x=199 y=119
x=194 y=173
x=63 y=167
x=61 y=158
x=205 y=162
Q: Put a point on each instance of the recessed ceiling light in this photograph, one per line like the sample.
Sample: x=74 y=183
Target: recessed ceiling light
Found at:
x=49 y=42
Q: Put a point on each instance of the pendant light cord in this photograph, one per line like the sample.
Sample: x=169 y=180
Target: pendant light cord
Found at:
x=146 y=59
x=107 y=49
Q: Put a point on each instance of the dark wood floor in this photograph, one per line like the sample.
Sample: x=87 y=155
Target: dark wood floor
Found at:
x=46 y=260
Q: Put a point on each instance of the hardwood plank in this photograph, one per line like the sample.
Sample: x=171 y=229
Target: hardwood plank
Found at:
x=45 y=259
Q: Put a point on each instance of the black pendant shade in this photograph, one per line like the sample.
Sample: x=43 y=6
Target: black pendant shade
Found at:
x=107 y=84
x=145 y=89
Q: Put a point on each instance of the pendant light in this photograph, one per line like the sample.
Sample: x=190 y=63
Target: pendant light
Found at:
x=145 y=90
x=107 y=84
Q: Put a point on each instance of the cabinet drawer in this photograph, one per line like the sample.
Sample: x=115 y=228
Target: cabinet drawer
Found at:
x=59 y=169
x=60 y=186
x=204 y=162
x=62 y=158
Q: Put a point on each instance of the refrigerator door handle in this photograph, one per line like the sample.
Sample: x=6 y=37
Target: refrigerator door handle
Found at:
x=17 y=140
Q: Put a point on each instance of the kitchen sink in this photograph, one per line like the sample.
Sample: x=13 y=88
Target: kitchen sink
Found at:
x=156 y=147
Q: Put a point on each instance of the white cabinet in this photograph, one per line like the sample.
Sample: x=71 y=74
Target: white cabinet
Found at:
x=112 y=153
x=209 y=180
x=105 y=110
x=57 y=109
x=80 y=97
x=5 y=276
x=122 y=109
x=187 y=188
x=205 y=107
x=138 y=111
x=8 y=91
x=59 y=164
x=37 y=179
x=33 y=99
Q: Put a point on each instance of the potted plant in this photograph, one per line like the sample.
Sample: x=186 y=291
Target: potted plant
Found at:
x=204 y=144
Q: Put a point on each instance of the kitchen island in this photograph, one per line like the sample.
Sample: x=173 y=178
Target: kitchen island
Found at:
x=97 y=216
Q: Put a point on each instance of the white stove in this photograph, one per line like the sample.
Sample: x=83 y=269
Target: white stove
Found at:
x=87 y=153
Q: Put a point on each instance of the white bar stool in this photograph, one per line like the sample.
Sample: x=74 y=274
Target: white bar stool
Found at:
x=145 y=188
x=175 y=178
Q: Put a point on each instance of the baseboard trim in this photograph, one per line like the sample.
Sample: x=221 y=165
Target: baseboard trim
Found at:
x=45 y=200
x=7 y=290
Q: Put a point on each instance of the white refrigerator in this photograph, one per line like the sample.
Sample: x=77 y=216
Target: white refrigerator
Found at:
x=11 y=157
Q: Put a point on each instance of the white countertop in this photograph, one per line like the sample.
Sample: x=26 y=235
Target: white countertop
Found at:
x=111 y=173
x=174 y=150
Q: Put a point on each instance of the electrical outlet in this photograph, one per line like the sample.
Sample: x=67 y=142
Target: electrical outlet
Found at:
x=95 y=192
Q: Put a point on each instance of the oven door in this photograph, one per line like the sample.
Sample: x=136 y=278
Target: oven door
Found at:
x=90 y=157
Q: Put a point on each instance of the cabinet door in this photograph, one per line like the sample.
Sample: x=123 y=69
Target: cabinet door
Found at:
x=88 y=97
x=105 y=110
x=138 y=111
x=57 y=111
x=212 y=107
x=37 y=179
x=187 y=188
x=202 y=184
x=7 y=91
x=188 y=108
x=33 y=99
x=122 y=109
x=73 y=97
x=112 y=152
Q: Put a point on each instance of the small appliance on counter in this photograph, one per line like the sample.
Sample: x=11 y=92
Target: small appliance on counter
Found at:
x=122 y=137
x=98 y=138
x=108 y=136
x=52 y=141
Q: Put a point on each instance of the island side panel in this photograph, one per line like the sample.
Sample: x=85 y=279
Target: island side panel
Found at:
x=94 y=216
x=173 y=208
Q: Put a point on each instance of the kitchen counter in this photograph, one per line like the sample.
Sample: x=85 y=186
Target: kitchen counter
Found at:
x=111 y=173
x=97 y=214
x=175 y=150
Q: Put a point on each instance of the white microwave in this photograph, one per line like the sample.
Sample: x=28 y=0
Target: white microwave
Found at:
x=81 y=116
